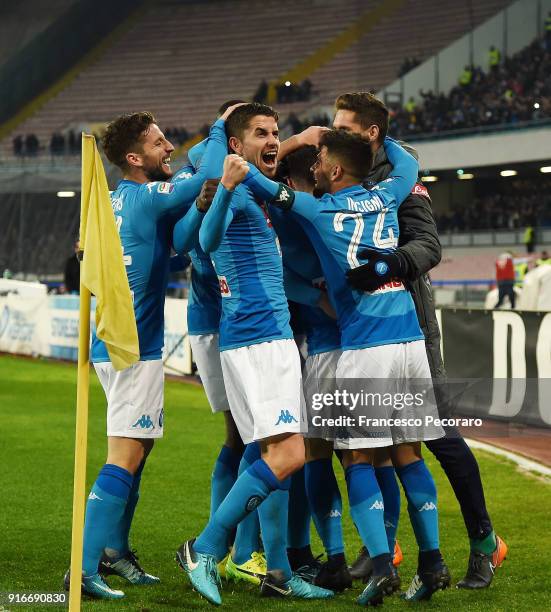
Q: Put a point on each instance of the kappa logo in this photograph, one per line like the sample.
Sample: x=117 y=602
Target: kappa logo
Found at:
x=144 y=422
x=333 y=514
x=377 y=505
x=427 y=506
x=150 y=186
x=93 y=496
x=165 y=188
x=285 y=197
x=286 y=417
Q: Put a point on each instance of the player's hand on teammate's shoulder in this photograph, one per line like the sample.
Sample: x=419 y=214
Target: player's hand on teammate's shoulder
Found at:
x=311 y=135
x=230 y=110
x=235 y=170
x=206 y=196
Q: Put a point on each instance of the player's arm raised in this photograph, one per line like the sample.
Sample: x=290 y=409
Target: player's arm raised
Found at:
x=279 y=194
x=186 y=231
x=173 y=197
x=404 y=174
x=310 y=136
x=220 y=214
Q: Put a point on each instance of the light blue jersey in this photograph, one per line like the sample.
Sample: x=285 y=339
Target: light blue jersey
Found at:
x=204 y=302
x=144 y=214
x=302 y=270
x=341 y=224
x=238 y=234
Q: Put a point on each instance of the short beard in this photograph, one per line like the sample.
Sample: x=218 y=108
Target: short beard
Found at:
x=157 y=174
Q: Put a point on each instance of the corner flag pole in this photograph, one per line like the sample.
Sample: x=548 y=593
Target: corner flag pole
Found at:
x=81 y=439
x=81 y=429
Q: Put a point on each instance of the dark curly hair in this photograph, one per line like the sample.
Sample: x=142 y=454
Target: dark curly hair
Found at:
x=125 y=134
x=353 y=153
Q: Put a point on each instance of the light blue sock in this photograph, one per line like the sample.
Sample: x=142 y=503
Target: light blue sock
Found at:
x=223 y=476
x=104 y=511
x=118 y=543
x=326 y=503
x=298 y=529
x=390 y=490
x=273 y=515
x=248 y=492
x=420 y=491
x=366 y=507
x=247 y=538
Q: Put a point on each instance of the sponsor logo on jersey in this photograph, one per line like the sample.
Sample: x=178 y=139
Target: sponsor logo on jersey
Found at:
x=393 y=285
x=165 y=188
x=144 y=422
x=286 y=417
x=377 y=505
x=420 y=190
x=224 y=287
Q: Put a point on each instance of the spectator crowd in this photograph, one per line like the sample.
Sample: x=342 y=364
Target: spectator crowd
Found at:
x=525 y=203
x=512 y=90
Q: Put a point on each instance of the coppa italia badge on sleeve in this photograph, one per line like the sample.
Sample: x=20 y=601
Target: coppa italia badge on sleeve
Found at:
x=285 y=197
x=165 y=188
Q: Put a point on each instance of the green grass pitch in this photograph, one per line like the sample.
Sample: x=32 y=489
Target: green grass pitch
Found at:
x=37 y=401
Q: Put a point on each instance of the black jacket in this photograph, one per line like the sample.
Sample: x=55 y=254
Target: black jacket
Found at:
x=419 y=250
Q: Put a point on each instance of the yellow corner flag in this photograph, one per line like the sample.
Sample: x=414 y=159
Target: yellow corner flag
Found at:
x=102 y=269
x=103 y=274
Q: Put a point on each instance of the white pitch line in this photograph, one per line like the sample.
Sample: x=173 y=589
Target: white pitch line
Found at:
x=523 y=462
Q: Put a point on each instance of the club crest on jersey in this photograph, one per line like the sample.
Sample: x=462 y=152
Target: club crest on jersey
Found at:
x=224 y=287
x=165 y=188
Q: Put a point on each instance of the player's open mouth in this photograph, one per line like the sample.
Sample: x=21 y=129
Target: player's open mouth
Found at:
x=270 y=158
x=166 y=161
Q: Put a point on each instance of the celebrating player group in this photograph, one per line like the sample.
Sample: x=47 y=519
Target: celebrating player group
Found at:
x=309 y=260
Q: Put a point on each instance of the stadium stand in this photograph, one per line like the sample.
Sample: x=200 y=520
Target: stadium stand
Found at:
x=37 y=235
x=130 y=76
x=21 y=22
x=522 y=202
x=517 y=90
